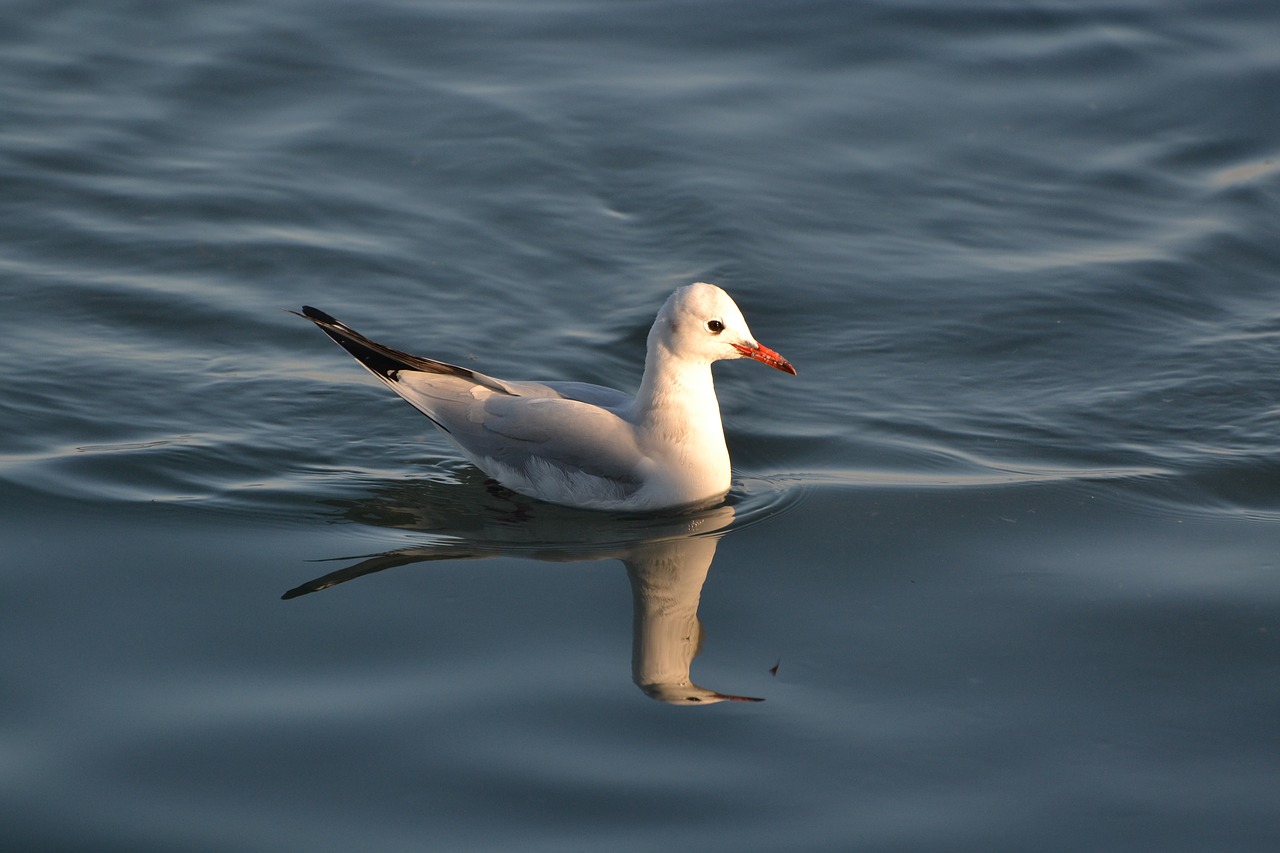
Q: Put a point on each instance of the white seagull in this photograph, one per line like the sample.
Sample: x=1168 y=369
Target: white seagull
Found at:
x=583 y=445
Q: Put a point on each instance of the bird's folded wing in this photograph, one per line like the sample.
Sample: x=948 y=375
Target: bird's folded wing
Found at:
x=568 y=435
x=596 y=395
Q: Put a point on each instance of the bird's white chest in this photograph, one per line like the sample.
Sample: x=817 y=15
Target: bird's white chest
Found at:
x=686 y=448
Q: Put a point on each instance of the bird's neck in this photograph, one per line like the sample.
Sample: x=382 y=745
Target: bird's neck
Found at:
x=677 y=401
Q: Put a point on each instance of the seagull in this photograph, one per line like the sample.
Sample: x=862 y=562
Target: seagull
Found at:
x=583 y=445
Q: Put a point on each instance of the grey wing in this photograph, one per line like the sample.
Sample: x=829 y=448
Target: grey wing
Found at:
x=568 y=434
x=585 y=392
x=559 y=449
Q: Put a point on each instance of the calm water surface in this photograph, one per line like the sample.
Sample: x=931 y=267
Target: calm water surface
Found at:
x=1003 y=561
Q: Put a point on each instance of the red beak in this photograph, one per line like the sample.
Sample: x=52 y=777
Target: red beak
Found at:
x=763 y=354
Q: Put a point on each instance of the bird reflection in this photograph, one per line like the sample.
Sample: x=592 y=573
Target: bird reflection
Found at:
x=666 y=586
x=666 y=557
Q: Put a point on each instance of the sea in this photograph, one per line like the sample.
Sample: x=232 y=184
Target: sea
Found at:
x=1000 y=564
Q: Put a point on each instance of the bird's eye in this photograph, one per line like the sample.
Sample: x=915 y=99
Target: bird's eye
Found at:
x=715 y=327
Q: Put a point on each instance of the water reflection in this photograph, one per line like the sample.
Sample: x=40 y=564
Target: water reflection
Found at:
x=666 y=586
x=667 y=560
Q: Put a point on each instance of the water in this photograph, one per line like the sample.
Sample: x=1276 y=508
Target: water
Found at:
x=1001 y=561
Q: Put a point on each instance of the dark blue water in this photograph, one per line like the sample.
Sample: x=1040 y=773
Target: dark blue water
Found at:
x=1001 y=561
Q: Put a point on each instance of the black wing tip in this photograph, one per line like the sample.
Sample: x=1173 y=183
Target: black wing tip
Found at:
x=380 y=360
x=303 y=589
x=334 y=328
x=386 y=362
x=316 y=315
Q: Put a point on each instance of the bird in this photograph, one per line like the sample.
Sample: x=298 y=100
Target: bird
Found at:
x=581 y=445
